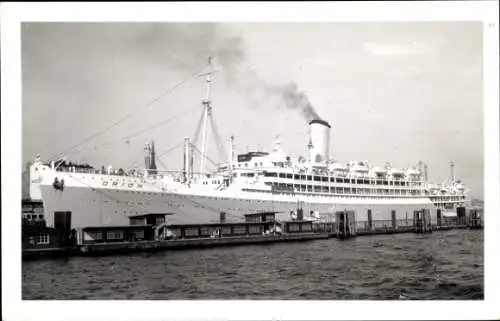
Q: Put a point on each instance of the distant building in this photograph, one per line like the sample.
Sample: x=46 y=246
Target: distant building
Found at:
x=150 y=157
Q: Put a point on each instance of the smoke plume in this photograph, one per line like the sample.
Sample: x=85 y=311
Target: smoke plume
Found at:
x=259 y=93
x=180 y=46
x=296 y=99
x=186 y=45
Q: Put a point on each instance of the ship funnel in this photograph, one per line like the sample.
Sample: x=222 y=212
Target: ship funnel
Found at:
x=320 y=141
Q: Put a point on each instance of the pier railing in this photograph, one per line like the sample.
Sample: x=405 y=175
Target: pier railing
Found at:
x=400 y=226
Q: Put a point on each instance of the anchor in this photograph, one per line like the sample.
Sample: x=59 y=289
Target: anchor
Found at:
x=58 y=185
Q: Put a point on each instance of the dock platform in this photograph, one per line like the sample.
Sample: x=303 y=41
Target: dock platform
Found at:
x=148 y=234
x=161 y=245
x=152 y=246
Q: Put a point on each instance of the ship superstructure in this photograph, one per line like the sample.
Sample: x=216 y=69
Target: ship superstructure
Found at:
x=250 y=182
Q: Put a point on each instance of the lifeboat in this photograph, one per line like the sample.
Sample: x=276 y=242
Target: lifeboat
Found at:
x=358 y=167
x=379 y=170
x=337 y=167
x=394 y=172
x=412 y=171
x=412 y=174
x=432 y=188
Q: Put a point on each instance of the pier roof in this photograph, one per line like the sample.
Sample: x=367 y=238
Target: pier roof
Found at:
x=150 y=215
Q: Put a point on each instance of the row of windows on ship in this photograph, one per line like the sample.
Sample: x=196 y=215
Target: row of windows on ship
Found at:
x=365 y=181
x=281 y=187
x=289 y=188
x=321 y=191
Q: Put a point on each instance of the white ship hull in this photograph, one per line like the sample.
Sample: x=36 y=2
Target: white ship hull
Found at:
x=92 y=204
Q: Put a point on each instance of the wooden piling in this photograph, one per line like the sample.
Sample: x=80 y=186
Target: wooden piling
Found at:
x=422 y=221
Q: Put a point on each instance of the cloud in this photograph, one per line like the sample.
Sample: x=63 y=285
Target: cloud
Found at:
x=407 y=49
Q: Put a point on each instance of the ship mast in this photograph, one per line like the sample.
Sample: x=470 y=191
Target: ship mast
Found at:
x=207 y=108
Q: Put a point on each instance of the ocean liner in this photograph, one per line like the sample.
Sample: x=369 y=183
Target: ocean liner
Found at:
x=246 y=183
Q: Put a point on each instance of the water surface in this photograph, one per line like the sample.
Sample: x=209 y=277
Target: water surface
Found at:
x=444 y=265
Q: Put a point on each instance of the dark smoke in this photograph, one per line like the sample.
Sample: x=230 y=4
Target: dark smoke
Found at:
x=260 y=94
x=296 y=99
x=181 y=46
x=187 y=45
x=184 y=46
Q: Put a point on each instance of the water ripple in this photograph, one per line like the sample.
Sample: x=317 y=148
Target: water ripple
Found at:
x=445 y=265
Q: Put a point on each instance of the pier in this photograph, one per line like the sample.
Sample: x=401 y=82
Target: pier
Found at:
x=151 y=233
x=179 y=244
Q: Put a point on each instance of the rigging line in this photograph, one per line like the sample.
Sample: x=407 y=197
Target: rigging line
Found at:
x=159 y=124
x=170 y=90
x=218 y=140
x=251 y=132
x=217 y=143
x=141 y=131
x=216 y=129
x=163 y=153
x=161 y=163
x=206 y=157
x=198 y=128
x=170 y=150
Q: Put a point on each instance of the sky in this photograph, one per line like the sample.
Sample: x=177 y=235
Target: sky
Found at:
x=392 y=91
